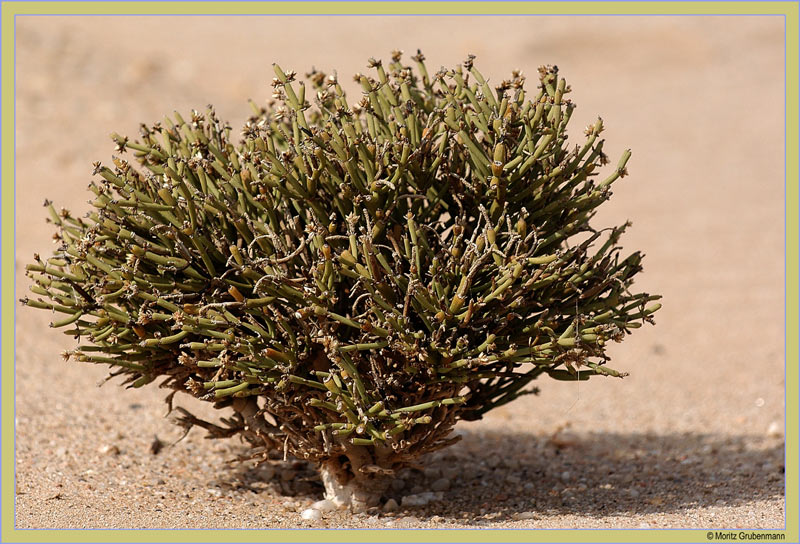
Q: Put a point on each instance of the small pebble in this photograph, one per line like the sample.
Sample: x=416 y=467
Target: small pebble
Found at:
x=417 y=499
x=324 y=506
x=442 y=484
x=398 y=484
x=311 y=514
x=775 y=430
x=390 y=506
x=431 y=473
x=528 y=487
x=156 y=445
x=565 y=476
x=421 y=499
x=524 y=515
x=417 y=489
x=109 y=450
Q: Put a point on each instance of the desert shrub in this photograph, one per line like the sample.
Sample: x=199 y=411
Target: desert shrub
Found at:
x=352 y=279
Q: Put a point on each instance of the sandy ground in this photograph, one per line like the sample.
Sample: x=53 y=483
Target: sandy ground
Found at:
x=692 y=438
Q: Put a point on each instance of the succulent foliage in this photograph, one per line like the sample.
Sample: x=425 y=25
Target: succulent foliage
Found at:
x=348 y=276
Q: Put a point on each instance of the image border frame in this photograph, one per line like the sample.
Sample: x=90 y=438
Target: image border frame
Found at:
x=11 y=10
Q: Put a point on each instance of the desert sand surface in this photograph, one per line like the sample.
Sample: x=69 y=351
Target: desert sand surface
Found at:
x=693 y=438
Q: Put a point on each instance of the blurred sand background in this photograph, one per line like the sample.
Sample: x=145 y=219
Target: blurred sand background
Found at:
x=693 y=438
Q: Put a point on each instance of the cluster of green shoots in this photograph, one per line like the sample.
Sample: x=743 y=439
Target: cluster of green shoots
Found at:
x=351 y=278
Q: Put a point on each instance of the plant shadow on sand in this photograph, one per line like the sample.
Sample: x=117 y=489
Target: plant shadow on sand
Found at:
x=495 y=476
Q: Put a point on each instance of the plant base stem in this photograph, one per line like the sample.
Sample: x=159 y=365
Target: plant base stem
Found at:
x=354 y=486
